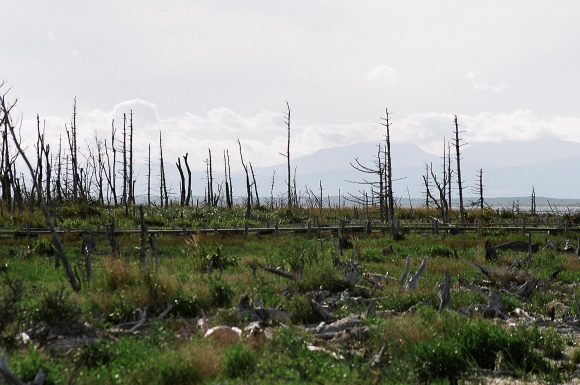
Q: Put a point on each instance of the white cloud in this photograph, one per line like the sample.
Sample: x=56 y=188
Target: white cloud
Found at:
x=51 y=36
x=74 y=54
x=481 y=83
x=383 y=75
x=264 y=135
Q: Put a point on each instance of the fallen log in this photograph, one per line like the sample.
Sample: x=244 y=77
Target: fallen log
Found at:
x=518 y=246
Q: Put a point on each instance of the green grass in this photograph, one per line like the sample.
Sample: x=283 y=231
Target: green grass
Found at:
x=421 y=344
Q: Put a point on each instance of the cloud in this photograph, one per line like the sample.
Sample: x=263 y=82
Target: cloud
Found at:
x=264 y=135
x=51 y=36
x=74 y=54
x=383 y=75
x=481 y=83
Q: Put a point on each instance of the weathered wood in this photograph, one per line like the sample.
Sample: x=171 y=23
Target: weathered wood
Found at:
x=444 y=293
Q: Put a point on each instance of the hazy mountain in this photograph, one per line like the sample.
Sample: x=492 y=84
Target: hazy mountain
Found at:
x=510 y=169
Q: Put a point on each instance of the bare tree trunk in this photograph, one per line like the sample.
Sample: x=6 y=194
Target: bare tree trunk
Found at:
x=272 y=191
x=481 y=202
x=56 y=240
x=450 y=174
x=131 y=192
x=163 y=184
x=248 y=186
x=458 y=157
x=149 y=176
x=124 y=198
x=387 y=125
x=182 y=185
x=188 y=199
x=228 y=197
x=255 y=185
x=287 y=155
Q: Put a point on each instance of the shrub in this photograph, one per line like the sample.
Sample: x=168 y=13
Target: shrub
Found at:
x=437 y=359
x=482 y=341
x=44 y=248
x=300 y=310
x=56 y=306
x=221 y=293
x=239 y=361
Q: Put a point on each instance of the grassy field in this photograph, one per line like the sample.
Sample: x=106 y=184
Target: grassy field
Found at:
x=309 y=311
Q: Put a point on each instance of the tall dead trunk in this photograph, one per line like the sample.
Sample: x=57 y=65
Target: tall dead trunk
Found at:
x=149 y=175
x=125 y=180
x=287 y=155
x=228 y=197
x=163 y=183
x=255 y=185
x=248 y=186
x=189 y=192
x=182 y=184
x=458 y=157
x=56 y=240
x=131 y=192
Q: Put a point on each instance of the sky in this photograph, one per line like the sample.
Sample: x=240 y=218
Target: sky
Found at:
x=205 y=73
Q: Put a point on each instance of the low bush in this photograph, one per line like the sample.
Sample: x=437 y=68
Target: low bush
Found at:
x=239 y=361
x=437 y=359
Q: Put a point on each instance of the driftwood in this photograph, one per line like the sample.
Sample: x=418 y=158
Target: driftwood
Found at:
x=280 y=273
x=8 y=377
x=248 y=312
x=413 y=282
x=528 y=289
x=444 y=294
x=496 y=307
x=518 y=246
x=405 y=271
x=489 y=272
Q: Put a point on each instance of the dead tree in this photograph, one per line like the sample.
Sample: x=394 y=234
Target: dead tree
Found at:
x=131 y=190
x=479 y=191
x=112 y=174
x=458 y=158
x=163 y=183
x=125 y=180
x=388 y=168
x=255 y=185
x=55 y=238
x=533 y=202
x=248 y=185
x=287 y=155
x=73 y=148
x=441 y=186
x=272 y=191
x=228 y=197
x=449 y=174
x=378 y=171
x=427 y=184
x=149 y=175
x=188 y=198
x=182 y=184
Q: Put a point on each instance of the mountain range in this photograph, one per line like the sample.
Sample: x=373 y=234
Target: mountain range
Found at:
x=510 y=169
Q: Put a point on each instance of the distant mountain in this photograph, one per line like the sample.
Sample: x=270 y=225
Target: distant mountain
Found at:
x=510 y=169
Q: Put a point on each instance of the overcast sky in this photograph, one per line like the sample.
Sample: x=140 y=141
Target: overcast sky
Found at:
x=208 y=72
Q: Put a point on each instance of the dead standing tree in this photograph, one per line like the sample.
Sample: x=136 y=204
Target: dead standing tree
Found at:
x=182 y=183
x=388 y=169
x=380 y=172
x=479 y=191
x=458 y=158
x=287 y=156
x=163 y=183
x=248 y=185
x=36 y=182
